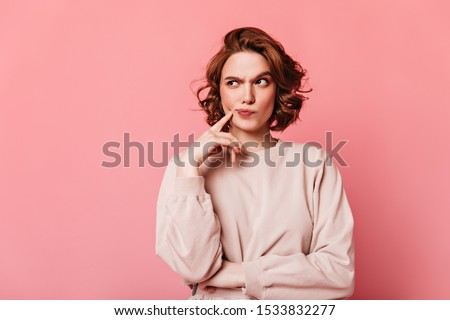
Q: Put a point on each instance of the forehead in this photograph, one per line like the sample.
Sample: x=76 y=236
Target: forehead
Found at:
x=245 y=64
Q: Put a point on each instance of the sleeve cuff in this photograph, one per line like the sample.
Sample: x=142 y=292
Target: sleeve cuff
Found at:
x=254 y=275
x=190 y=185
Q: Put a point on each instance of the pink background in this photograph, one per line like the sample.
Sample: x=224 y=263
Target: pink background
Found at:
x=76 y=74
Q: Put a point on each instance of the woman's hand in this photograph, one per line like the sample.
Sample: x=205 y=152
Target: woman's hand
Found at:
x=210 y=141
x=230 y=275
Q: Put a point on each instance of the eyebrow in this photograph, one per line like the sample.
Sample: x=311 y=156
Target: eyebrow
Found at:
x=265 y=73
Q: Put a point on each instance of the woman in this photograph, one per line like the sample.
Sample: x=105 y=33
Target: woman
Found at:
x=243 y=215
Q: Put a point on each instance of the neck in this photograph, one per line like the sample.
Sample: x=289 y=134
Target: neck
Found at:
x=254 y=141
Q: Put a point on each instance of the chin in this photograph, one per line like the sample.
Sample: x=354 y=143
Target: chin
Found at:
x=247 y=129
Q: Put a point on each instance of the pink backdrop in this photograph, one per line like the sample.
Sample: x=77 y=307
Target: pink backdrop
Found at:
x=77 y=74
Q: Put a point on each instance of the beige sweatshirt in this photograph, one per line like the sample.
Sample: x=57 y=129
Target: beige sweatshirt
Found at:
x=287 y=219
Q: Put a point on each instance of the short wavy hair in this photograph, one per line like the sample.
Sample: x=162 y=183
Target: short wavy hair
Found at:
x=286 y=72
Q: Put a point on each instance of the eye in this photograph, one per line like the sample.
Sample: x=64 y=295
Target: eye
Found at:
x=230 y=83
x=263 y=81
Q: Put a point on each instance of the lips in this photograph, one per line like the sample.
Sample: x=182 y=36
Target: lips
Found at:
x=244 y=112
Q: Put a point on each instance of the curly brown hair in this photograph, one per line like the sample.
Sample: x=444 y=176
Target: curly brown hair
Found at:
x=286 y=72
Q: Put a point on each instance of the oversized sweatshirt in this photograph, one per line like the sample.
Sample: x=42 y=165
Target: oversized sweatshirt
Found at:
x=282 y=212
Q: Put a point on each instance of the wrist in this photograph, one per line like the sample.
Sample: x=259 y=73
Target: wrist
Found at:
x=239 y=275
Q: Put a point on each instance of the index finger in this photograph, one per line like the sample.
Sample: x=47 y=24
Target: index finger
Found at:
x=219 y=124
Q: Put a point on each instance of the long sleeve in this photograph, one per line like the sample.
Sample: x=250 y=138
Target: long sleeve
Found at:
x=187 y=229
x=327 y=270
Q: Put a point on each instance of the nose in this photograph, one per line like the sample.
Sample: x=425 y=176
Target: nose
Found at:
x=248 y=97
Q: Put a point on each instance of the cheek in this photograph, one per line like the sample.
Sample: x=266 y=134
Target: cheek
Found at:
x=269 y=99
x=228 y=99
